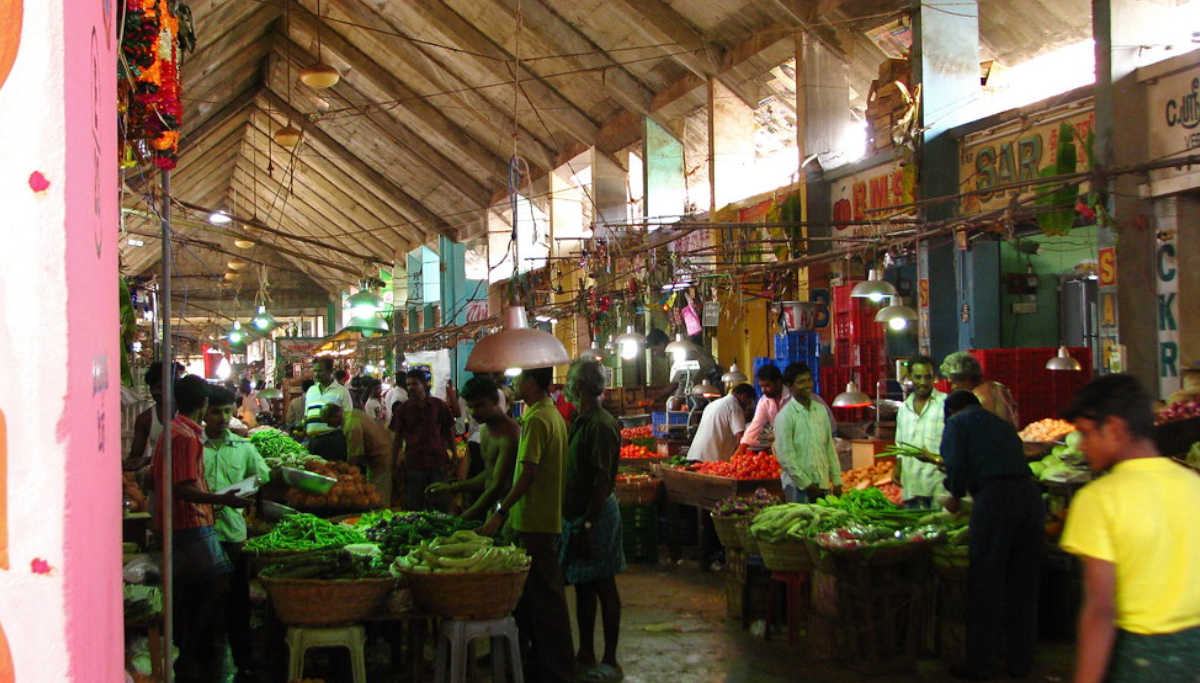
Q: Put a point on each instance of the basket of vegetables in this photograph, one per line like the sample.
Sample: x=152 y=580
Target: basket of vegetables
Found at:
x=781 y=532
x=636 y=488
x=299 y=533
x=464 y=576
x=327 y=587
x=745 y=538
x=728 y=512
x=398 y=533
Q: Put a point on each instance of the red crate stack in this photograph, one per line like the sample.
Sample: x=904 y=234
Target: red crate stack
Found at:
x=859 y=350
x=1039 y=393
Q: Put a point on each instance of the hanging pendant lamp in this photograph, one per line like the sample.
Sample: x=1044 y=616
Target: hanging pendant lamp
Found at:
x=237 y=336
x=851 y=398
x=516 y=347
x=288 y=136
x=236 y=264
x=706 y=389
x=364 y=303
x=896 y=315
x=319 y=75
x=735 y=376
x=243 y=244
x=681 y=348
x=1063 y=362
x=263 y=321
x=593 y=354
x=874 y=288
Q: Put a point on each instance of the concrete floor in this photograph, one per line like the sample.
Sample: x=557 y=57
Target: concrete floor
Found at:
x=674 y=629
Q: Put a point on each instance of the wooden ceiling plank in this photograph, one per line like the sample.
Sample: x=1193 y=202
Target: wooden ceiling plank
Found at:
x=236 y=38
x=228 y=78
x=406 y=203
x=453 y=175
x=552 y=105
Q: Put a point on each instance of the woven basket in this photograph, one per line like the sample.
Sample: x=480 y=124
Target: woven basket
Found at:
x=642 y=493
x=467 y=595
x=727 y=530
x=321 y=602
x=749 y=543
x=788 y=556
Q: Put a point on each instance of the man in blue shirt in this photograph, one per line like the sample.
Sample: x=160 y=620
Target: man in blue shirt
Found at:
x=984 y=457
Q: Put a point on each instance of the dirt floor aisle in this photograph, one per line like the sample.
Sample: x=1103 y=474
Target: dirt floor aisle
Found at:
x=674 y=630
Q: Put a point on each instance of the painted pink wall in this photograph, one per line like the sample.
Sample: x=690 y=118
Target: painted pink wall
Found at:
x=90 y=422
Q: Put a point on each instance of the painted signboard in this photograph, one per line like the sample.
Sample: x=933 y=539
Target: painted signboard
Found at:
x=1166 y=279
x=1018 y=150
x=865 y=201
x=1172 y=120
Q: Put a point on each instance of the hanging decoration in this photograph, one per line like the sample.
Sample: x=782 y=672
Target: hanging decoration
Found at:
x=149 y=82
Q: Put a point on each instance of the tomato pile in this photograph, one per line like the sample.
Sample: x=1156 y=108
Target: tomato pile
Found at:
x=631 y=433
x=633 y=452
x=744 y=466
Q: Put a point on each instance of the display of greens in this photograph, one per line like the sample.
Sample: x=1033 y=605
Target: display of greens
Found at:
x=303 y=532
x=327 y=564
x=462 y=551
x=403 y=531
x=1064 y=464
x=279 y=449
x=912 y=452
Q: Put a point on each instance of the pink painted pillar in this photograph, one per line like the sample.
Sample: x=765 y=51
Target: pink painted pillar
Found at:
x=60 y=590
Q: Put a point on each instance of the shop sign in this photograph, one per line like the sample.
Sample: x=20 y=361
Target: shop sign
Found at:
x=1166 y=279
x=869 y=196
x=1173 y=120
x=1017 y=151
x=712 y=313
x=1107 y=263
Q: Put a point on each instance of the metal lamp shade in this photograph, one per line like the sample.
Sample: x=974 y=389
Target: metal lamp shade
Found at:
x=681 y=348
x=895 y=315
x=288 y=136
x=320 y=75
x=1062 y=361
x=516 y=346
x=706 y=390
x=734 y=376
x=593 y=353
x=369 y=326
x=874 y=288
x=851 y=398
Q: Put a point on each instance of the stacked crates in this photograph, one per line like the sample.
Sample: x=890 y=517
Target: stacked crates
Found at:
x=639 y=532
x=859 y=350
x=1039 y=393
x=799 y=347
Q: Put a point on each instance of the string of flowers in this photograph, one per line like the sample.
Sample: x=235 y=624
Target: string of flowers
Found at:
x=150 y=73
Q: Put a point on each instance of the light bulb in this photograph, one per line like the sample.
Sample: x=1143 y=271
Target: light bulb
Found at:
x=875 y=297
x=629 y=350
x=235 y=337
x=363 y=311
x=898 y=323
x=512 y=372
x=219 y=218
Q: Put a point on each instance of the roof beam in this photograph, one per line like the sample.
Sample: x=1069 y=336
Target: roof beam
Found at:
x=453 y=175
x=406 y=203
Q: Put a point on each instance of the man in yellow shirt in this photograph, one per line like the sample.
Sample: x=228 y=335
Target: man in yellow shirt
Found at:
x=1136 y=534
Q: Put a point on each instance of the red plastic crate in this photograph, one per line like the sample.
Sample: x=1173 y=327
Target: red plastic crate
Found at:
x=1039 y=393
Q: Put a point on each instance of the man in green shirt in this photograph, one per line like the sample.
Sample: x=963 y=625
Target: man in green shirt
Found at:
x=229 y=459
x=499 y=438
x=804 y=442
x=535 y=506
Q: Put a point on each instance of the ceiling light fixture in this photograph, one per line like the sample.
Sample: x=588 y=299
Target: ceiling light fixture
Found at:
x=236 y=264
x=319 y=75
x=896 y=315
x=1063 y=362
x=364 y=303
x=705 y=389
x=681 y=348
x=874 y=288
x=630 y=343
x=219 y=218
x=243 y=244
x=263 y=321
x=517 y=346
x=851 y=398
x=735 y=376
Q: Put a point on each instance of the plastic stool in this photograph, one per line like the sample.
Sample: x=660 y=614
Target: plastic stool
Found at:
x=456 y=636
x=300 y=639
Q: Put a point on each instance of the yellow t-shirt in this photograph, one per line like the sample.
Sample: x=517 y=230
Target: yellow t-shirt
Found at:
x=1143 y=517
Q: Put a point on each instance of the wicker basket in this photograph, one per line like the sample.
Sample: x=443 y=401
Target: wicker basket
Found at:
x=749 y=543
x=788 y=556
x=320 y=602
x=645 y=492
x=727 y=530
x=467 y=595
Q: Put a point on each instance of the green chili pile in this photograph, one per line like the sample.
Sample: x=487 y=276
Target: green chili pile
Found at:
x=303 y=532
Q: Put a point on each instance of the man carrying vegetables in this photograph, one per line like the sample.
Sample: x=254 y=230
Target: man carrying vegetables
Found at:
x=229 y=459
x=804 y=442
x=984 y=457
x=1135 y=533
x=536 y=503
x=919 y=423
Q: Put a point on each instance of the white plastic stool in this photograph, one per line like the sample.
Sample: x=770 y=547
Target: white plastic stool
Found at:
x=456 y=637
x=301 y=639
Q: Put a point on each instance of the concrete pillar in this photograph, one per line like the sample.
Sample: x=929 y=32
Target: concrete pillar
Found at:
x=1119 y=26
x=945 y=56
x=60 y=442
x=732 y=144
x=609 y=193
x=665 y=192
x=822 y=91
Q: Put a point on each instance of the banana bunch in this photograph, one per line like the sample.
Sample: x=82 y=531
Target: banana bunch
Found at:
x=462 y=551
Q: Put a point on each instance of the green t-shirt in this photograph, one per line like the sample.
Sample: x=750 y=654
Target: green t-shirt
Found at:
x=543 y=443
x=226 y=462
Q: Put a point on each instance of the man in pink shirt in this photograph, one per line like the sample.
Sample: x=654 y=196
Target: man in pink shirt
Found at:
x=775 y=395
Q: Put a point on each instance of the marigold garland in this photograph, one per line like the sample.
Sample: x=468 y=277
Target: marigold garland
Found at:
x=153 y=108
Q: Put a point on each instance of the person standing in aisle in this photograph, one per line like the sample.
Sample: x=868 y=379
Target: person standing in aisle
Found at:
x=423 y=443
x=536 y=505
x=965 y=373
x=920 y=423
x=395 y=395
x=592 y=549
x=1135 y=533
x=322 y=393
x=499 y=436
x=374 y=404
x=149 y=424
x=722 y=425
x=984 y=457
x=229 y=459
x=804 y=442
x=775 y=395
x=200 y=567
x=369 y=447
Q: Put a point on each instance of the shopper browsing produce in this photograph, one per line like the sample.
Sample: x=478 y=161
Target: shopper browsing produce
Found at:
x=722 y=425
x=324 y=391
x=423 y=442
x=775 y=394
x=804 y=441
x=1135 y=532
x=369 y=446
x=919 y=423
x=229 y=459
x=984 y=457
x=499 y=435
x=536 y=504
x=201 y=568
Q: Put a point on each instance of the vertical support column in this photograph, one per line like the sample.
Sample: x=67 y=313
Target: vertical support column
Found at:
x=732 y=144
x=1119 y=26
x=1187 y=256
x=609 y=193
x=945 y=59
x=666 y=193
x=455 y=291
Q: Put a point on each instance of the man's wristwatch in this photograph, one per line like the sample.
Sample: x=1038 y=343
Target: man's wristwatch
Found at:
x=500 y=510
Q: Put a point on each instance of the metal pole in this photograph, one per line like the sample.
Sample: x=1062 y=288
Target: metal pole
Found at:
x=168 y=467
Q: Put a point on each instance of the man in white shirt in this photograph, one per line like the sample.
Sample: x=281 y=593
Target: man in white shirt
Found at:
x=721 y=426
x=323 y=392
x=920 y=423
x=396 y=394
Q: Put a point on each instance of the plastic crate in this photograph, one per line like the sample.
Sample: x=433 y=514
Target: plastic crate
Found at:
x=851 y=353
x=639 y=532
x=661 y=421
x=797 y=345
x=1038 y=392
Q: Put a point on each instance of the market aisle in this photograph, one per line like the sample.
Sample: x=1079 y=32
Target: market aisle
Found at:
x=674 y=630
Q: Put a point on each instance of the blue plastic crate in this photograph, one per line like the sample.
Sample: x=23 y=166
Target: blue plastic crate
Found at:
x=661 y=421
x=813 y=362
x=798 y=345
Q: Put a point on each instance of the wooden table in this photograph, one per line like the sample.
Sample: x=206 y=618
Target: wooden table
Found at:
x=702 y=491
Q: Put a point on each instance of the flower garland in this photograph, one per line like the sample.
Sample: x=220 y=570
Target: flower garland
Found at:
x=153 y=107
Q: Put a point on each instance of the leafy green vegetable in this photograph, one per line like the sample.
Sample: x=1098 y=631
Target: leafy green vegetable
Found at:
x=302 y=532
x=279 y=449
x=403 y=531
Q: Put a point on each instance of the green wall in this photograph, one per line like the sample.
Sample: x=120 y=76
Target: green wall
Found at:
x=1057 y=255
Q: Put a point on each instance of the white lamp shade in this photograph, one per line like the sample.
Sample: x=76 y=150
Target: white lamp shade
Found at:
x=1062 y=361
x=243 y=244
x=320 y=75
x=681 y=348
x=851 y=398
x=516 y=346
x=890 y=314
x=874 y=288
x=735 y=375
